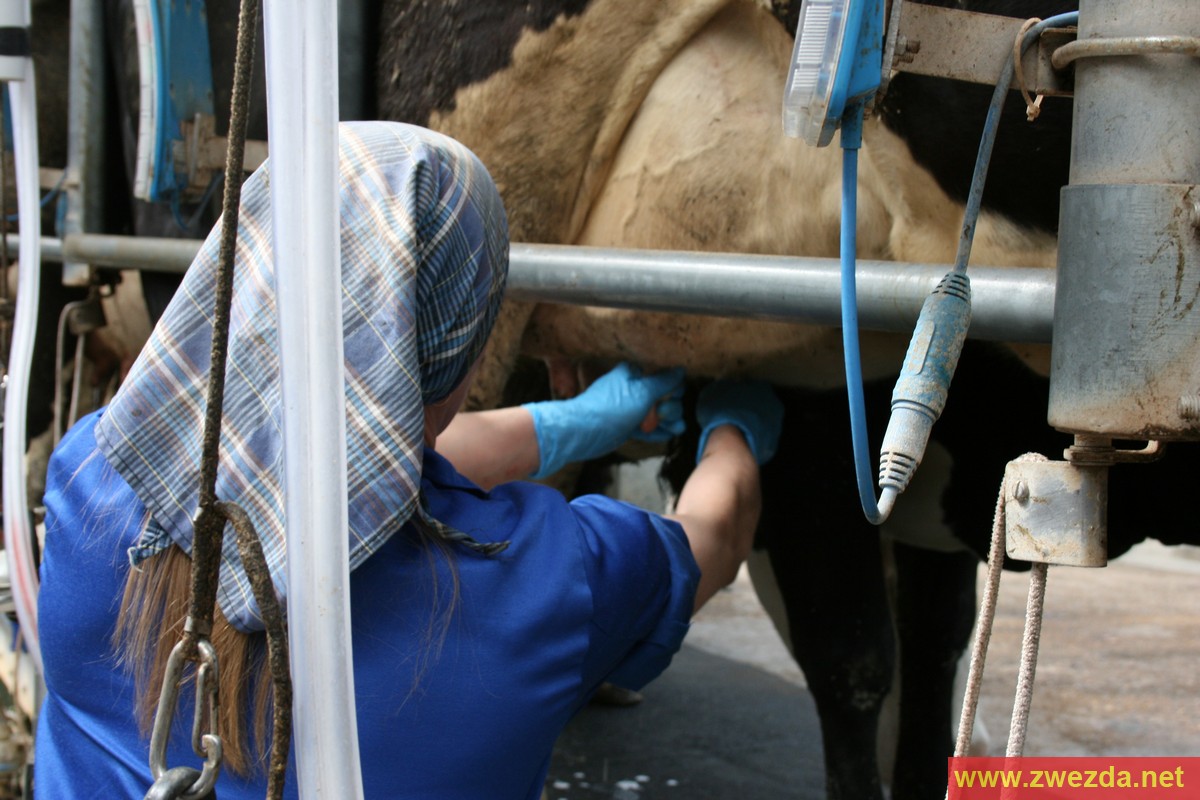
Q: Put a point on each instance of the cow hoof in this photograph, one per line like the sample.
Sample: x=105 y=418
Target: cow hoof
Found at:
x=612 y=695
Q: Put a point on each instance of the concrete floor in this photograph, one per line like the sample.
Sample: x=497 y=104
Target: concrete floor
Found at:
x=731 y=719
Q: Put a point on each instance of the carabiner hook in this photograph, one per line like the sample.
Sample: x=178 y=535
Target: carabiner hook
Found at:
x=207 y=745
x=173 y=784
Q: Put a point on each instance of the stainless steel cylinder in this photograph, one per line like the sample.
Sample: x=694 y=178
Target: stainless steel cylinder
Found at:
x=1126 y=327
x=1137 y=118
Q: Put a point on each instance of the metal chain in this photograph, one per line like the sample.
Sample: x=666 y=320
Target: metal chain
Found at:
x=212 y=515
x=174 y=783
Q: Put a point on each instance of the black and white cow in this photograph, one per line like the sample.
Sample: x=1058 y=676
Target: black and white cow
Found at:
x=621 y=123
x=656 y=124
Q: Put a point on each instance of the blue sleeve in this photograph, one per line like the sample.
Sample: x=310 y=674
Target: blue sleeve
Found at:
x=643 y=579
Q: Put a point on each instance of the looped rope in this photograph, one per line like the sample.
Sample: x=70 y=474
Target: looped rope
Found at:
x=1033 y=106
x=211 y=514
x=250 y=548
x=1029 y=654
x=206 y=545
x=983 y=636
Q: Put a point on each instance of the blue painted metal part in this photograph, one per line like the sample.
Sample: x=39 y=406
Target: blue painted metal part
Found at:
x=184 y=85
x=857 y=75
x=924 y=383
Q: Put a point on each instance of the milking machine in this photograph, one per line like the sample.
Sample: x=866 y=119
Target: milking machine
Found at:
x=1126 y=335
x=1124 y=360
x=1126 y=357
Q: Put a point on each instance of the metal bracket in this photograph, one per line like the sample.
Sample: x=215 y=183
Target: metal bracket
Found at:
x=85 y=316
x=1056 y=513
x=969 y=46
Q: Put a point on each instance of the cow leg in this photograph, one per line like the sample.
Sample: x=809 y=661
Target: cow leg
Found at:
x=827 y=563
x=935 y=605
x=841 y=633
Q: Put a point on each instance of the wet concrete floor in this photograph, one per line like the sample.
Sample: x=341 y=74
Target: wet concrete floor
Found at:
x=732 y=720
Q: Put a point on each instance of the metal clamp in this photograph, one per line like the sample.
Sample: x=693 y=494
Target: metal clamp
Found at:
x=207 y=745
x=1124 y=46
x=1097 y=451
x=1054 y=513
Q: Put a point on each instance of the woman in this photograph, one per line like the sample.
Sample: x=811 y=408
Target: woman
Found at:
x=481 y=620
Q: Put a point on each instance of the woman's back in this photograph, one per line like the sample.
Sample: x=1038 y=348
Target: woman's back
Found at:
x=461 y=689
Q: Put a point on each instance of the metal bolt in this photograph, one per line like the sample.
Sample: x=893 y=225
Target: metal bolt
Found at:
x=1021 y=492
x=1189 y=406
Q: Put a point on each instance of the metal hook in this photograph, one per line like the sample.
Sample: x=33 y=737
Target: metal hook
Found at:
x=208 y=745
x=174 y=783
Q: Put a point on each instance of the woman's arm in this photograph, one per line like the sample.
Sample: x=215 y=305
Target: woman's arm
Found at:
x=491 y=447
x=719 y=509
x=720 y=504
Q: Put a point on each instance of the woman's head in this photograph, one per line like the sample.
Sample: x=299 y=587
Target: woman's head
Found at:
x=424 y=237
x=424 y=255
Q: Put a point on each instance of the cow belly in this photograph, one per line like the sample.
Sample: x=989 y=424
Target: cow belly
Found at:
x=787 y=355
x=704 y=166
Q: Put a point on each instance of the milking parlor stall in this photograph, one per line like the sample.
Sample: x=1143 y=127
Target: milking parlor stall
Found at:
x=118 y=147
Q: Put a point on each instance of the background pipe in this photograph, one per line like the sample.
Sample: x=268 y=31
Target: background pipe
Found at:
x=1009 y=303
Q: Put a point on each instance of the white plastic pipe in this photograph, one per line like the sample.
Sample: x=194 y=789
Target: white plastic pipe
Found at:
x=18 y=526
x=302 y=114
x=147 y=132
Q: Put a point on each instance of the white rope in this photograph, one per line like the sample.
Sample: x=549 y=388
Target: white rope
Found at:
x=983 y=636
x=1029 y=654
x=983 y=630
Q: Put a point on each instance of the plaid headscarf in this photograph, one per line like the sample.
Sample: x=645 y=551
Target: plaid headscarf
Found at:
x=424 y=252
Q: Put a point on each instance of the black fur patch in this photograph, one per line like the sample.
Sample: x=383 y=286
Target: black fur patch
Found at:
x=942 y=120
x=428 y=50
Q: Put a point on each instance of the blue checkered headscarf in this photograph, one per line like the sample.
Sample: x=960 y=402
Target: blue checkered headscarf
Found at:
x=424 y=255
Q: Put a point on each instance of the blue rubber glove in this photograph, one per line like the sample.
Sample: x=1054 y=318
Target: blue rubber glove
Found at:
x=751 y=406
x=605 y=415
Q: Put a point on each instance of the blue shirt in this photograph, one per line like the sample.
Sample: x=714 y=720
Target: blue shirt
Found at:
x=588 y=591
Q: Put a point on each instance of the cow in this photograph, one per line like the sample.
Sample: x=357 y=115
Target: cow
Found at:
x=628 y=124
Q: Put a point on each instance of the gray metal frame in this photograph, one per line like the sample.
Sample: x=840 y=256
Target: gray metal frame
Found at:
x=1011 y=304
x=1126 y=330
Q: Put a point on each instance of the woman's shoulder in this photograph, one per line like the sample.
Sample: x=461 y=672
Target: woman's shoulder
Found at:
x=84 y=494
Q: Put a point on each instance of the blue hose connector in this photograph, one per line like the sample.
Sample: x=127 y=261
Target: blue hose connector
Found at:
x=924 y=382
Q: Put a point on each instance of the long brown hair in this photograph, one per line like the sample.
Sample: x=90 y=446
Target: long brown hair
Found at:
x=150 y=623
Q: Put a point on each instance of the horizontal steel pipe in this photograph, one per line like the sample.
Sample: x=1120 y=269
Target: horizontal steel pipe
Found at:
x=51 y=247
x=1010 y=304
x=131 y=252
